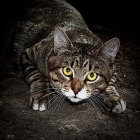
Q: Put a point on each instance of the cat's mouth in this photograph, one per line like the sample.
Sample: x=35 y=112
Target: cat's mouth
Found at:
x=75 y=99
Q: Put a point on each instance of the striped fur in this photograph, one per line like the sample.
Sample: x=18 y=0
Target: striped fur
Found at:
x=53 y=35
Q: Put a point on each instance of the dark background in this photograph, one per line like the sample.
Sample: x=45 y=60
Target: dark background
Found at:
x=119 y=17
x=18 y=121
x=123 y=16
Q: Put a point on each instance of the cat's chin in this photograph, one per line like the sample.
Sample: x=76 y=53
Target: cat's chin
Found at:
x=75 y=100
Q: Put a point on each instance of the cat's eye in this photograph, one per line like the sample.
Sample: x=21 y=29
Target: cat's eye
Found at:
x=67 y=71
x=92 y=76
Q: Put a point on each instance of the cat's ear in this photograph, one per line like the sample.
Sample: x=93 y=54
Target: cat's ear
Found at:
x=110 y=48
x=61 y=41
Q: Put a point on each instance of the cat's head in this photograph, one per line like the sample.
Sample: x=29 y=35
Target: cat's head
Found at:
x=77 y=70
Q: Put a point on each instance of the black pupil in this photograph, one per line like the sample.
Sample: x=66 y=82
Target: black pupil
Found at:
x=91 y=75
x=68 y=70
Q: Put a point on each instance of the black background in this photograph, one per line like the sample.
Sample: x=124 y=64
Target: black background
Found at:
x=19 y=121
x=122 y=16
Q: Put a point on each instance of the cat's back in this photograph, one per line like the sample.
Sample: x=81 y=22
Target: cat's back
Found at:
x=41 y=17
x=53 y=13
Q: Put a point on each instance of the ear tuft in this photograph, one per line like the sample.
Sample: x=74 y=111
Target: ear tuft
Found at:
x=61 y=40
x=111 y=47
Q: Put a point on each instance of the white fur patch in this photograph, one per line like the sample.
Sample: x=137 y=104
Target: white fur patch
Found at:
x=120 y=107
x=123 y=103
x=78 y=97
x=42 y=108
x=75 y=100
x=82 y=94
x=70 y=93
x=35 y=106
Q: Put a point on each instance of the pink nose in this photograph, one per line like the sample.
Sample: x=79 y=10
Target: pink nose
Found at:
x=76 y=91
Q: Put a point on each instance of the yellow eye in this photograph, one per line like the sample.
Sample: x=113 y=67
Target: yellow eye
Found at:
x=67 y=71
x=91 y=76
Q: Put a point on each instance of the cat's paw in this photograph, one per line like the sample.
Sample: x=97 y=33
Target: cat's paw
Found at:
x=120 y=107
x=36 y=105
x=41 y=107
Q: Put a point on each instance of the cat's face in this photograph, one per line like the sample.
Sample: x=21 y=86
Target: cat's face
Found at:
x=79 y=76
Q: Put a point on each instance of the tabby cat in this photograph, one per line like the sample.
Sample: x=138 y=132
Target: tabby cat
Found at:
x=62 y=57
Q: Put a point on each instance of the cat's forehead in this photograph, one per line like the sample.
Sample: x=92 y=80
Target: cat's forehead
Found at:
x=80 y=64
x=79 y=61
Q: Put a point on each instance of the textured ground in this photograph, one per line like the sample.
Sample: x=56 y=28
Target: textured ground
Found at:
x=19 y=122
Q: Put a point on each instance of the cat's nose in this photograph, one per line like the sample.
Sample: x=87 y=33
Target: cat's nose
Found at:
x=76 y=91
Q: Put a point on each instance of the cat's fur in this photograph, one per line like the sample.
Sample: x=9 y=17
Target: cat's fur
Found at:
x=53 y=35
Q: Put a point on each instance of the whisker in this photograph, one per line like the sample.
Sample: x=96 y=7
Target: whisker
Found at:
x=49 y=103
x=102 y=101
x=58 y=103
x=101 y=98
x=59 y=93
x=99 y=104
x=54 y=101
x=93 y=104
x=45 y=96
x=96 y=104
x=63 y=99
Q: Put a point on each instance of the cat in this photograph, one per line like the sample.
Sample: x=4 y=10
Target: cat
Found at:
x=61 y=56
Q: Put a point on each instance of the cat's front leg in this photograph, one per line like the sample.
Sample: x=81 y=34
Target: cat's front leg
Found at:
x=38 y=83
x=119 y=104
x=40 y=95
